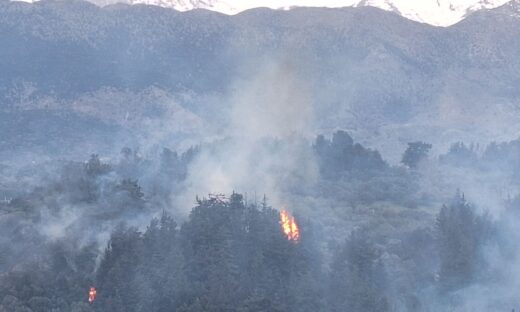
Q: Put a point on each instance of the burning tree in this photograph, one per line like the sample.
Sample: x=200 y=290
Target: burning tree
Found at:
x=289 y=226
x=92 y=295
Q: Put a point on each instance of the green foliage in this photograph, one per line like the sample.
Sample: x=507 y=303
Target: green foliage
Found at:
x=234 y=246
x=94 y=167
x=340 y=156
x=415 y=153
x=460 y=155
x=461 y=236
x=231 y=256
x=357 y=281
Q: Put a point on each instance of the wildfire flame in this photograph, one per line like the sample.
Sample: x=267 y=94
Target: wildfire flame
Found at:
x=91 y=295
x=289 y=226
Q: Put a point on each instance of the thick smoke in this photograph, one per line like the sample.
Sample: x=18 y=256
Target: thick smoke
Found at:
x=263 y=142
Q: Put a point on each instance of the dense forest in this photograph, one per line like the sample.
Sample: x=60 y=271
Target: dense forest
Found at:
x=371 y=236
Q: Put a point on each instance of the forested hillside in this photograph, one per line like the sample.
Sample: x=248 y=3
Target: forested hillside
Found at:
x=370 y=236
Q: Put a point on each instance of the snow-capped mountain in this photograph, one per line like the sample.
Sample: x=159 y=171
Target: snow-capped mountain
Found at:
x=434 y=12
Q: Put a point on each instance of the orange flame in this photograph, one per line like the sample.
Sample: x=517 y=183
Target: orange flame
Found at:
x=92 y=295
x=289 y=226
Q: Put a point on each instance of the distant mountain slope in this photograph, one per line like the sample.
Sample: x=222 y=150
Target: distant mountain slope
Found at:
x=385 y=78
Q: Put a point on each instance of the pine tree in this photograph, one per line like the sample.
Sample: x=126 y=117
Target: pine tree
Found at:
x=461 y=234
x=357 y=279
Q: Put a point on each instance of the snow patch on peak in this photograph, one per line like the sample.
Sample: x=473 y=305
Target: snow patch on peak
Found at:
x=387 y=5
x=186 y=5
x=434 y=12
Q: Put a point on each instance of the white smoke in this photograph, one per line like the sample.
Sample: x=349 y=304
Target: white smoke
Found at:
x=269 y=107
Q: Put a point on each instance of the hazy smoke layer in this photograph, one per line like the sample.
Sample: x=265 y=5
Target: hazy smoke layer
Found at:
x=262 y=144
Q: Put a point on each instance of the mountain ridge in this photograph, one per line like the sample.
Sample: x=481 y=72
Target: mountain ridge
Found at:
x=375 y=73
x=434 y=12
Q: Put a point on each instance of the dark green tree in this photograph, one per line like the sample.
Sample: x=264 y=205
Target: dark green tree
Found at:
x=357 y=280
x=460 y=155
x=116 y=275
x=461 y=234
x=415 y=153
x=341 y=155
